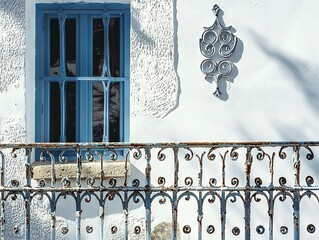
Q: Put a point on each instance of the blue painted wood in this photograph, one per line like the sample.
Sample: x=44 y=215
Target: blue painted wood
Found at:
x=84 y=14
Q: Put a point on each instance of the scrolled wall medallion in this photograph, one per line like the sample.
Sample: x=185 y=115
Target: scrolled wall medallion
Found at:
x=217 y=44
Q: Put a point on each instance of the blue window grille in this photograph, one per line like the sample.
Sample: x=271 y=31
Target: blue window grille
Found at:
x=82 y=72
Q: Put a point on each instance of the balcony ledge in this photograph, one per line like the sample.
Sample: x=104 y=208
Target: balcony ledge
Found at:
x=112 y=169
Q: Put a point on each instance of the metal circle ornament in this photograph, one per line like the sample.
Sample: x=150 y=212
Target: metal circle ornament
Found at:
x=217 y=44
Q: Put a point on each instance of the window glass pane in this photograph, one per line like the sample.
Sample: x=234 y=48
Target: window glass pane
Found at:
x=114 y=105
x=114 y=46
x=70 y=46
x=54 y=46
x=70 y=89
x=98 y=46
x=98 y=111
x=55 y=112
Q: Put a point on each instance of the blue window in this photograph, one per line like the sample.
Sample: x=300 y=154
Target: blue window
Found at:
x=82 y=72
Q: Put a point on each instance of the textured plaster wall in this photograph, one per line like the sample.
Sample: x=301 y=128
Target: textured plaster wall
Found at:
x=12 y=96
x=154 y=81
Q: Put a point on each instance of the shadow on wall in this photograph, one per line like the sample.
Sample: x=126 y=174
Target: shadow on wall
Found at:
x=175 y=58
x=304 y=75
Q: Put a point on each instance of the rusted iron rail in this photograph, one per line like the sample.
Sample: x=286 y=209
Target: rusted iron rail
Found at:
x=209 y=185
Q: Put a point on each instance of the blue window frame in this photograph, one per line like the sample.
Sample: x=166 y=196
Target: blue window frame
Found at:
x=82 y=72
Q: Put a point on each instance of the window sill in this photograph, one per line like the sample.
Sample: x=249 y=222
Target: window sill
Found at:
x=116 y=169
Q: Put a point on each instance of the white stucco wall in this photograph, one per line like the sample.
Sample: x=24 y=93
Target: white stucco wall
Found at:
x=274 y=96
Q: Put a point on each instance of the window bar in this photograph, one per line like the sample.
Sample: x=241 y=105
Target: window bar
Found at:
x=2 y=196
x=62 y=18
x=106 y=72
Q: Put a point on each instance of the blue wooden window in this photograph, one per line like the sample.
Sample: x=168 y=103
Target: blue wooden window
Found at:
x=82 y=72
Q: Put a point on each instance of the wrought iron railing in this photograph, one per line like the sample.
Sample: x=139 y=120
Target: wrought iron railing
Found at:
x=170 y=190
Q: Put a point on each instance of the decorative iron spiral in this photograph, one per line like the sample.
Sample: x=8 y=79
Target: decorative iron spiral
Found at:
x=187 y=229
x=310 y=155
x=66 y=182
x=136 y=183
x=235 y=181
x=137 y=230
x=41 y=183
x=260 y=229
x=210 y=229
x=13 y=153
x=234 y=154
x=113 y=229
x=89 y=156
x=161 y=156
x=15 y=183
x=112 y=182
x=210 y=155
x=161 y=181
x=236 y=231
x=282 y=181
x=258 y=181
x=310 y=180
x=281 y=153
x=212 y=182
x=137 y=154
x=311 y=228
x=88 y=198
x=64 y=230
x=62 y=158
x=90 y=181
x=283 y=230
x=89 y=229
x=188 y=181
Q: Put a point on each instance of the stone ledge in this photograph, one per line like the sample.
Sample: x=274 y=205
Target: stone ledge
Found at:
x=116 y=169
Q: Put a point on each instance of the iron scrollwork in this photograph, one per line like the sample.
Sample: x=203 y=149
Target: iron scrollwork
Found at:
x=217 y=44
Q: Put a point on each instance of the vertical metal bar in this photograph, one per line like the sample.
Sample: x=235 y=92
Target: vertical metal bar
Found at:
x=78 y=216
x=126 y=215
x=27 y=193
x=53 y=198
x=62 y=18
x=78 y=167
x=148 y=192
x=248 y=163
x=174 y=203
x=78 y=195
x=200 y=198
x=106 y=72
x=2 y=217
x=106 y=128
x=101 y=202
x=296 y=214
x=223 y=200
x=101 y=213
x=271 y=198
x=125 y=204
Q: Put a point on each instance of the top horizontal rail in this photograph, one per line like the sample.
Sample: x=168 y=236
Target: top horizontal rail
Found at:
x=158 y=145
